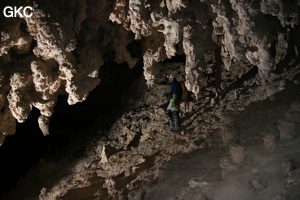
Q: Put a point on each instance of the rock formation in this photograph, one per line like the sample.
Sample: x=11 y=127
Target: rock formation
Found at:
x=63 y=47
x=235 y=53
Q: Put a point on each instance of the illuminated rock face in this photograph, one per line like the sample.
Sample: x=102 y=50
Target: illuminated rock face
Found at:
x=59 y=49
x=235 y=53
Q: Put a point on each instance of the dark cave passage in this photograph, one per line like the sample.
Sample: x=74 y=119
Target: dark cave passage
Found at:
x=28 y=146
x=177 y=59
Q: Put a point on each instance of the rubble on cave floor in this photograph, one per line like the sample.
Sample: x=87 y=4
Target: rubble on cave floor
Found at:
x=261 y=163
x=223 y=151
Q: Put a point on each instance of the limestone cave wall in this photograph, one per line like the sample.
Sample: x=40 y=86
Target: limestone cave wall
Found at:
x=229 y=54
x=59 y=50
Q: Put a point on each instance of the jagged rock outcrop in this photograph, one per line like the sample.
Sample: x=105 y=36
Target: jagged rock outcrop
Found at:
x=236 y=53
x=127 y=159
x=63 y=47
x=244 y=169
x=39 y=77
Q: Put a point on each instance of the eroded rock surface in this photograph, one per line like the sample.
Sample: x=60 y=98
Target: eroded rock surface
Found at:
x=128 y=159
x=236 y=53
x=59 y=49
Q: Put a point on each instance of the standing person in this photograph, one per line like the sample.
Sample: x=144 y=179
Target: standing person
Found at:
x=174 y=105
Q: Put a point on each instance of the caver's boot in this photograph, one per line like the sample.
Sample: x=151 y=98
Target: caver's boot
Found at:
x=170 y=119
x=171 y=124
x=177 y=125
x=176 y=121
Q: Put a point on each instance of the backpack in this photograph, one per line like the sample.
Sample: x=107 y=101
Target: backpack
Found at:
x=184 y=91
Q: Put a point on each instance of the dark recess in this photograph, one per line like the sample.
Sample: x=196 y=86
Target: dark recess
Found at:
x=28 y=146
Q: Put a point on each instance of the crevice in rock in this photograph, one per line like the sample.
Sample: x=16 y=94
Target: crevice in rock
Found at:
x=250 y=74
x=292 y=57
x=175 y=59
x=21 y=152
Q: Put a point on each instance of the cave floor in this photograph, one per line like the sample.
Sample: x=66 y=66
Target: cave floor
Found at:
x=262 y=163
